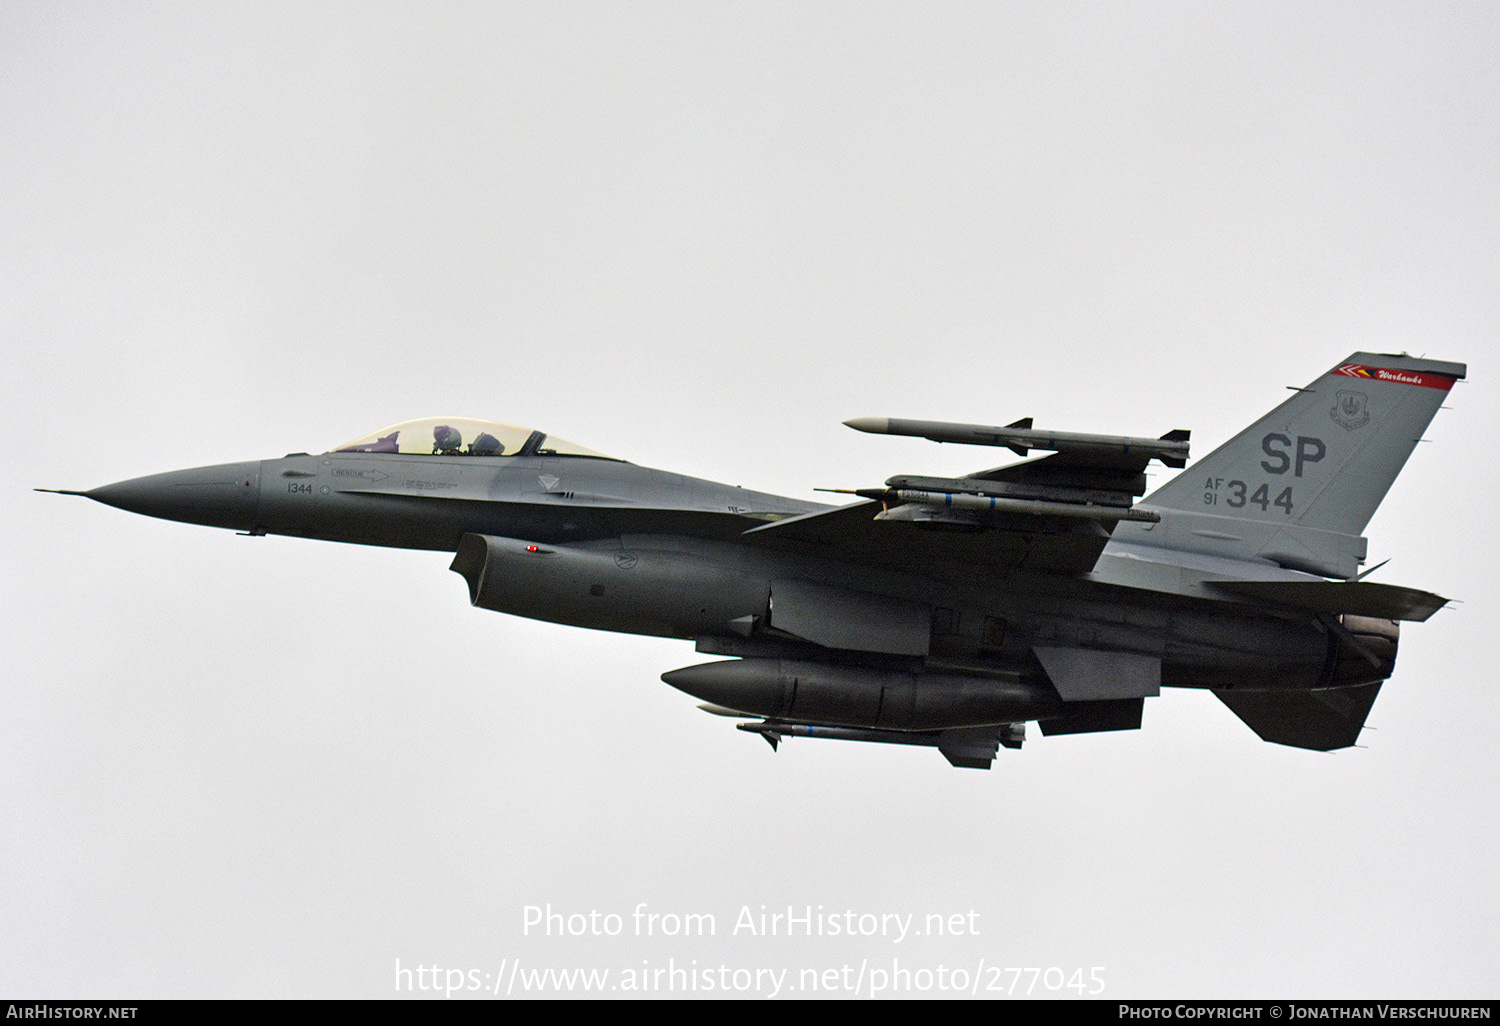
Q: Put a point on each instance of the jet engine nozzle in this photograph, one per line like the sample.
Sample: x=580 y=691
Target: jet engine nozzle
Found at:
x=1367 y=654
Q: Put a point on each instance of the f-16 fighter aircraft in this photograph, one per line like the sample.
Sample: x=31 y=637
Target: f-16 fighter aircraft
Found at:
x=945 y=612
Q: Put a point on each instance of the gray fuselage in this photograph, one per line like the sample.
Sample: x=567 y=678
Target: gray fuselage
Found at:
x=645 y=551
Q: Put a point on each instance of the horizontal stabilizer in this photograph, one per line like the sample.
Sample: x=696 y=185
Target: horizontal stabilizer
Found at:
x=1358 y=598
x=1319 y=720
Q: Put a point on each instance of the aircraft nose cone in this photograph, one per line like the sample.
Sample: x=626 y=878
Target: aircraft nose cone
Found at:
x=220 y=496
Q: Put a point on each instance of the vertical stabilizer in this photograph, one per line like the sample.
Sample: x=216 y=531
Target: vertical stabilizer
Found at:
x=1299 y=485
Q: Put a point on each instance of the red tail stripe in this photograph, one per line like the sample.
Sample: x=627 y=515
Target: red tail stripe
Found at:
x=1426 y=379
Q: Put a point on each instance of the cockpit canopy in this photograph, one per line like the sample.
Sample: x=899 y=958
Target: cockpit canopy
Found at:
x=464 y=436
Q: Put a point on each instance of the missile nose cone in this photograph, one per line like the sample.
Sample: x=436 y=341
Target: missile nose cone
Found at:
x=874 y=425
x=226 y=495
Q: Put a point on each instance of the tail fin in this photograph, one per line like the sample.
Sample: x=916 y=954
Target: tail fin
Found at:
x=1299 y=485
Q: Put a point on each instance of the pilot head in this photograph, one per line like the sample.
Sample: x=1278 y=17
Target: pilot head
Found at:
x=486 y=445
x=445 y=439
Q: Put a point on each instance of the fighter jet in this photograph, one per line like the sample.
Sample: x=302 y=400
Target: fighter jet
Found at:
x=946 y=612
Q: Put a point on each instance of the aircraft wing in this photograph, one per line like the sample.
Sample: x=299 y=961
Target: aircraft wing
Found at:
x=1051 y=515
x=1010 y=543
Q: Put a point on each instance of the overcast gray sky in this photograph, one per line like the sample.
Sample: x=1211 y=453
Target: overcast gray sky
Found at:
x=698 y=236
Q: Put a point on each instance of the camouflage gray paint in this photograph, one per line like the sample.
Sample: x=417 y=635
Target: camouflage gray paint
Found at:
x=942 y=612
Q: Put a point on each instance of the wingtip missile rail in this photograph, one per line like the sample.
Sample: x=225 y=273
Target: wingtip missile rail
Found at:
x=1019 y=437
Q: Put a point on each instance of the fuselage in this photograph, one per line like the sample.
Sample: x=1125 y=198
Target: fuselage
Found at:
x=938 y=611
x=636 y=550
